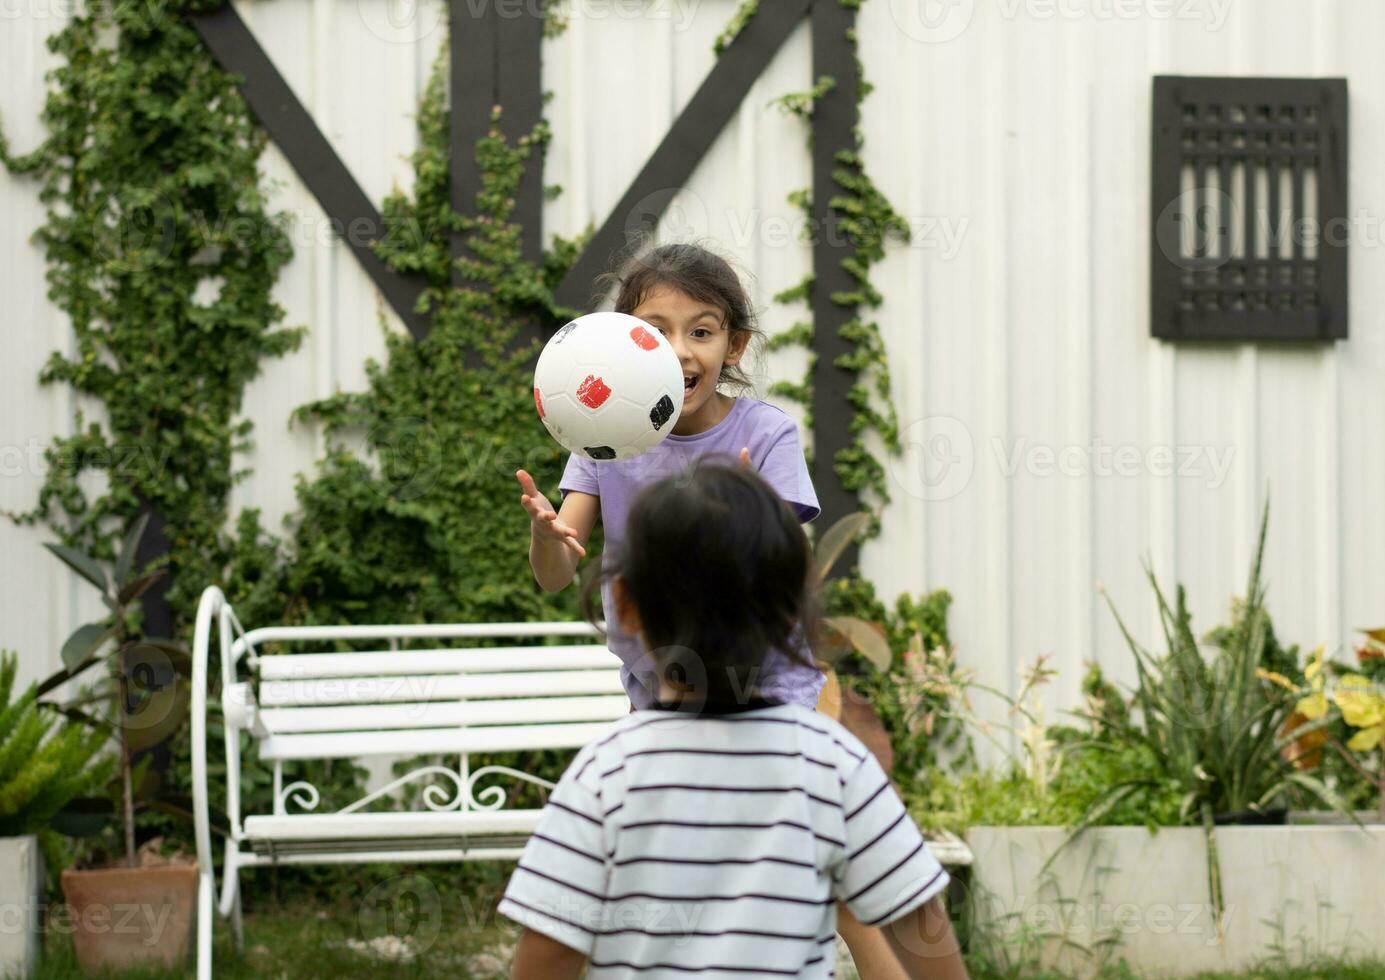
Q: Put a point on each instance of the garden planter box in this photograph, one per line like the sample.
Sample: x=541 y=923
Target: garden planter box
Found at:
x=21 y=892
x=1124 y=893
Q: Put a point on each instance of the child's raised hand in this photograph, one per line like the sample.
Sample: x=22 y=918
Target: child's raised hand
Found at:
x=543 y=519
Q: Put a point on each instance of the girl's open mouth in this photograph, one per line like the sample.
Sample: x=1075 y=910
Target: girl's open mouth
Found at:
x=690 y=383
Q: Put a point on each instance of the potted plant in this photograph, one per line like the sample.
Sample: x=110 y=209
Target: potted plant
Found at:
x=41 y=771
x=139 y=908
x=844 y=635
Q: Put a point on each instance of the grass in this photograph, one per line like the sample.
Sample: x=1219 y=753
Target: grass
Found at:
x=451 y=929
x=307 y=942
x=437 y=921
x=1326 y=970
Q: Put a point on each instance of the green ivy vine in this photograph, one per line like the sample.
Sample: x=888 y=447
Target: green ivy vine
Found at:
x=867 y=219
x=149 y=175
x=153 y=196
x=431 y=531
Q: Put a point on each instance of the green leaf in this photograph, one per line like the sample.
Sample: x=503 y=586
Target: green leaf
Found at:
x=83 y=565
x=867 y=639
x=133 y=590
x=84 y=817
x=82 y=645
x=128 y=549
x=836 y=539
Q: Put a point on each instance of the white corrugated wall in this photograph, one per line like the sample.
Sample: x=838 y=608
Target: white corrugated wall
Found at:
x=1014 y=139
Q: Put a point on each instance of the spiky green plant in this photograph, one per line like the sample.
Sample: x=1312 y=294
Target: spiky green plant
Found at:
x=1215 y=728
x=41 y=769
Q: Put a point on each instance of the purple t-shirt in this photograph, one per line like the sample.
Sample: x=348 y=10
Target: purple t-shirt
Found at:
x=772 y=438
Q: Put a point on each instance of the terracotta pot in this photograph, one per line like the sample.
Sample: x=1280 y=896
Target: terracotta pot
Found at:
x=857 y=715
x=124 y=917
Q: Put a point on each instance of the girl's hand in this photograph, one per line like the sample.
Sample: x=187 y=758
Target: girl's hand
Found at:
x=543 y=519
x=745 y=456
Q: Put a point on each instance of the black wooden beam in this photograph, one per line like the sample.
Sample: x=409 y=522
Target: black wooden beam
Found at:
x=296 y=134
x=834 y=128
x=473 y=46
x=519 y=93
x=685 y=144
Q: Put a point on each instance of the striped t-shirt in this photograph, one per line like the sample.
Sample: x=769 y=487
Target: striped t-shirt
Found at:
x=719 y=844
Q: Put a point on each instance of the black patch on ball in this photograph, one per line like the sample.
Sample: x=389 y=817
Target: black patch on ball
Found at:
x=563 y=331
x=660 y=413
x=599 y=452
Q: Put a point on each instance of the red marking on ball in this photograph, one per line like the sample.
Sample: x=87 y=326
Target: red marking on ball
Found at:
x=592 y=392
x=538 y=402
x=644 y=338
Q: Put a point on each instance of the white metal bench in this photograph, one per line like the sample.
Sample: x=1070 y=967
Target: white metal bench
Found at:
x=448 y=702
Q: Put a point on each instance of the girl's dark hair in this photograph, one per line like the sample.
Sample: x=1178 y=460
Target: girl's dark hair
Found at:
x=720 y=570
x=703 y=275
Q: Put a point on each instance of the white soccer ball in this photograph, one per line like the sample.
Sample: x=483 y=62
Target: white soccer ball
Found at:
x=608 y=386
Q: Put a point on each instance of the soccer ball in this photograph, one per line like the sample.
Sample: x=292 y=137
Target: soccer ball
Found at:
x=608 y=386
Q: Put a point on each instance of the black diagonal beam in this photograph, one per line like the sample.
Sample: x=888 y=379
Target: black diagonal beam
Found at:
x=685 y=144
x=834 y=127
x=296 y=134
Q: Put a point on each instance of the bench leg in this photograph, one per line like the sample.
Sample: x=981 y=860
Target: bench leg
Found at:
x=229 y=906
x=237 y=925
x=205 y=911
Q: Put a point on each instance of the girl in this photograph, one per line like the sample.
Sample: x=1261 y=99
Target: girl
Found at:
x=697 y=302
x=711 y=833
x=694 y=299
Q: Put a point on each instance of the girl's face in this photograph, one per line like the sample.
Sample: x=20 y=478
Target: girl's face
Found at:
x=697 y=331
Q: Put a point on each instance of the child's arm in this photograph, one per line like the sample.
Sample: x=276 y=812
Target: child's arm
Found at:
x=889 y=878
x=557 y=892
x=924 y=944
x=537 y=957
x=557 y=539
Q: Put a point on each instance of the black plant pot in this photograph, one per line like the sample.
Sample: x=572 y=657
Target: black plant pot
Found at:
x=1252 y=818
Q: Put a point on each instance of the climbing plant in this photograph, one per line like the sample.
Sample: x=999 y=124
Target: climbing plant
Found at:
x=867 y=219
x=163 y=255
x=431 y=530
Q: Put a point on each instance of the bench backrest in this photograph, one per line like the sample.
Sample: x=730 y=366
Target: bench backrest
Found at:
x=437 y=700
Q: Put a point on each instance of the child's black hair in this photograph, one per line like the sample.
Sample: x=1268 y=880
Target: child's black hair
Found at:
x=720 y=571
x=703 y=275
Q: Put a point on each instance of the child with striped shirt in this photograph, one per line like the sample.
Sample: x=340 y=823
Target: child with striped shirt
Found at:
x=716 y=830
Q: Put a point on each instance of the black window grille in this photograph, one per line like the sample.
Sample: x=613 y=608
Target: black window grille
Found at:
x=1249 y=209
